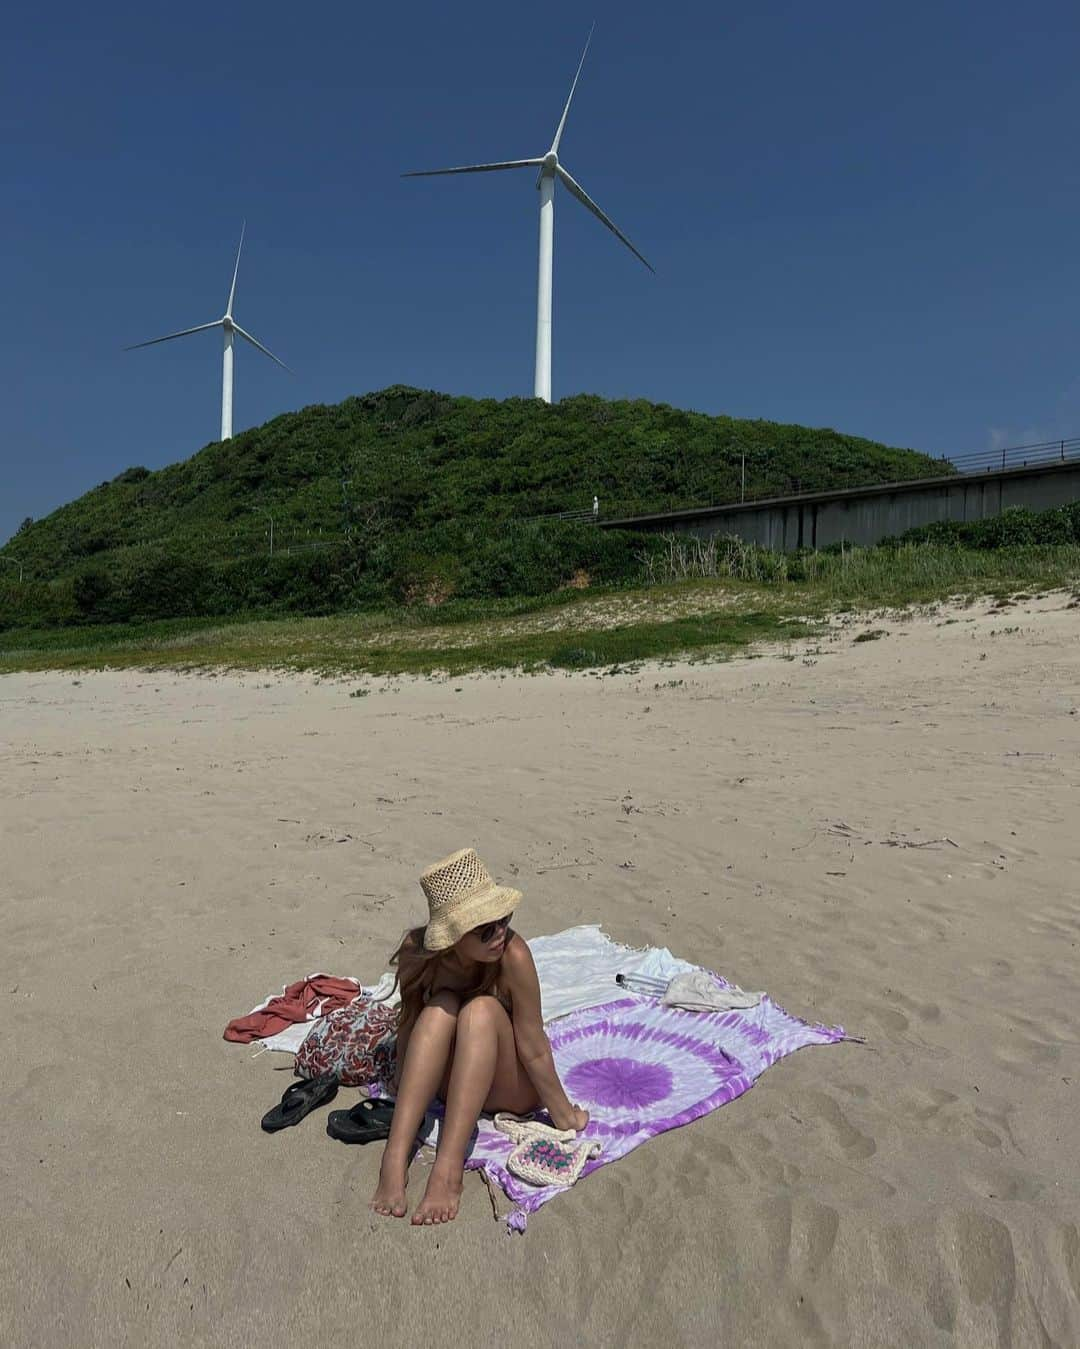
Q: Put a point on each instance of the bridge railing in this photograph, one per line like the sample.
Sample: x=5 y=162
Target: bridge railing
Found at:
x=582 y=516
x=1016 y=456
x=1043 y=453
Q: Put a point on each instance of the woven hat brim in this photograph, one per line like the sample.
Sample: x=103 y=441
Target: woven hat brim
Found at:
x=484 y=907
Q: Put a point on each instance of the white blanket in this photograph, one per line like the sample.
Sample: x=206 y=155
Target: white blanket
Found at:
x=577 y=969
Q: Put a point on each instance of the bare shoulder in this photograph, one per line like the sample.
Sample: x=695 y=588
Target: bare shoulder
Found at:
x=517 y=962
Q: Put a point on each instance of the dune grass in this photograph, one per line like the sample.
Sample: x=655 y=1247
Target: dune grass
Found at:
x=711 y=617
x=361 y=645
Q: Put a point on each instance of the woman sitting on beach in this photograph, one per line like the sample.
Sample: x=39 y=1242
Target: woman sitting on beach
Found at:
x=469 y=1031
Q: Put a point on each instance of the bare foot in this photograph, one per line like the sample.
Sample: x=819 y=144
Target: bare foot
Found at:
x=389 y=1196
x=440 y=1201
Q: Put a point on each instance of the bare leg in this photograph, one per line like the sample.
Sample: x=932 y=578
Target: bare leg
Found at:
x=426 y=1058
x=485 y=1074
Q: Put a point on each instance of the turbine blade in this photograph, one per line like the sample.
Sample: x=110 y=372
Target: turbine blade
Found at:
x=476 y=168
x=562 y=119
x=248 y=338
x=232 y=288
x=169 y=336
x=587 y=201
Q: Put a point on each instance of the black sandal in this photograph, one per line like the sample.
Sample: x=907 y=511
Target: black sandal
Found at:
x=367 y=1122
x=299 y=1100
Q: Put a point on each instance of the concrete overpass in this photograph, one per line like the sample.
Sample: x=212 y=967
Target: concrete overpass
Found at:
x=866 y=515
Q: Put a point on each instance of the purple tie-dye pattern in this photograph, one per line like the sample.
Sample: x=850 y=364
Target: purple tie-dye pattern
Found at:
x=640 y=1069
x=618 y=1082
x=754 y=1035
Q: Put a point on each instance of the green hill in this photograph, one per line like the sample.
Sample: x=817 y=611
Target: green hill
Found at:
x=404 y=494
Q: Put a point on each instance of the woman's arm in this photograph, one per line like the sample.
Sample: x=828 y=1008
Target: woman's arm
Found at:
x=533 y=1047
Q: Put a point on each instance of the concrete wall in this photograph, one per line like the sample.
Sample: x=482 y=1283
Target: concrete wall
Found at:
x=866 y=515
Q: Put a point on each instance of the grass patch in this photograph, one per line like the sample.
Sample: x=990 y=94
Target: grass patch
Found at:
x=571 y=630
x=340 y=646
x=917 y=573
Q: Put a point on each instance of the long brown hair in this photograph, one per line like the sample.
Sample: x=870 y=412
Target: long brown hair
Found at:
x=416 y=970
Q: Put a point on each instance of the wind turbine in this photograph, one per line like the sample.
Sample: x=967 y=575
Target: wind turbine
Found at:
x=550 y=171
x=228 y=326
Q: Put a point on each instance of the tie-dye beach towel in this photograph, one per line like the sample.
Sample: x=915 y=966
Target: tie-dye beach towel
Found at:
x=640 y=1069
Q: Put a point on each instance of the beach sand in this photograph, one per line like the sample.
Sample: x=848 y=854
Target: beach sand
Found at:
x=884 y=834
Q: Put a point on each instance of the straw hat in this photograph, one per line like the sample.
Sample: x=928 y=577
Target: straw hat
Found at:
x=461 y=895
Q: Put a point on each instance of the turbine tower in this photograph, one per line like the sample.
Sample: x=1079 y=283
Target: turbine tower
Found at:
x=228 y=326
x=551 y=170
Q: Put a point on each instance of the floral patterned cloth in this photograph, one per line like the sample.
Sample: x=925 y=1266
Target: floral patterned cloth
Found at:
x=355 y=1044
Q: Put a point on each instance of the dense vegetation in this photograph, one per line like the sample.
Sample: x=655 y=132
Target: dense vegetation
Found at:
x=405 y=495
x=748 y=596
x=1017 y=527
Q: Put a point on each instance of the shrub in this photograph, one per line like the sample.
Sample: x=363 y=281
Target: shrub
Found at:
x=29 y=603
x=1016 y=527
x=93 y=593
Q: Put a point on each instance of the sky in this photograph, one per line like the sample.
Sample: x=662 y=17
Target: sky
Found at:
x=860 y=216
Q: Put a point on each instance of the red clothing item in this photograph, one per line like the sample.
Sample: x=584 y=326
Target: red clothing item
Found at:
x=299 y=1002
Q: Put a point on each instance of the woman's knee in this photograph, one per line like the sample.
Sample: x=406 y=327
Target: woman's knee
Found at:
x=481 y=1013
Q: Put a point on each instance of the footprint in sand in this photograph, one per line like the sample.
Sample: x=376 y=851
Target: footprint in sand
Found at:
x=1070 y=1256
x=922 y=1011
x=1045 y=1030
x=1024 y=1055
x=978 y=1250
x=992 y=1180
x=712 y=1155
x=855 y=1090
x=899 y=1258
x=993 y=969
x=891 y=1019
x=851 y=1142
x=753 y=1155
x=1032 y=1041
x=800 y=1235
x=943 y=1112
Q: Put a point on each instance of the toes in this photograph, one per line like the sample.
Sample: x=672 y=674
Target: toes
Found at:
x=389 y=1208
x=430 y=1214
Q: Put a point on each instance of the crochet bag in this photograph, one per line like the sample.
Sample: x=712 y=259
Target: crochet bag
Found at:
x=545 y=1155
x=355 y=1044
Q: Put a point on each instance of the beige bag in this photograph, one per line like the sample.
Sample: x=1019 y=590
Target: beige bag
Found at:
x=545 y=1155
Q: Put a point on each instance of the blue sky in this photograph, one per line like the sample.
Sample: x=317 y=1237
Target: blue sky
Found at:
x=860 y=216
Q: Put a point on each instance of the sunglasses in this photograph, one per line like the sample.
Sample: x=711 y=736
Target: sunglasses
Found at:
x=488 y=930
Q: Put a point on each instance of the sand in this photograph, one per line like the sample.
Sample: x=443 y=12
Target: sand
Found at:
x=882 y=833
